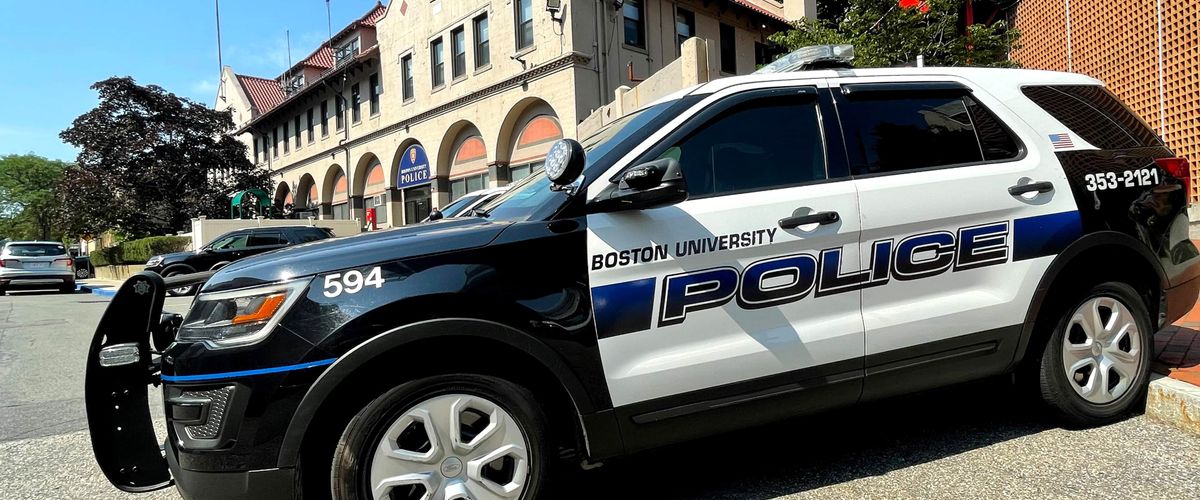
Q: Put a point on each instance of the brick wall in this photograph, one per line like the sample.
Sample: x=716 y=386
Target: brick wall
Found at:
x=1117 y=42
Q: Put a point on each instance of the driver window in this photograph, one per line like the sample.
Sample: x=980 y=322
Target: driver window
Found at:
x=231 y=242
x=765 y=143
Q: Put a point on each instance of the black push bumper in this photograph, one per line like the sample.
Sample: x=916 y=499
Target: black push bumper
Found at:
x=120 y=366
x=254 y=484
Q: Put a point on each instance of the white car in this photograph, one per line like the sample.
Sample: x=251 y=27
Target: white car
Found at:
x=36 y=264
x=466 y=203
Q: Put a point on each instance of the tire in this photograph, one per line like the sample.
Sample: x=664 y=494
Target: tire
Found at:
x=515 y=443
x=1085 y=338
x=182 y=291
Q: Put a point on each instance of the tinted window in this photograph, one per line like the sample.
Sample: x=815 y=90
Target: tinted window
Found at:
x=36 y=250
x=1094 y=114
x=762 y=144
x=903 y=133
x=235 y=241
x=307 y=235
x=266 y=239
x=995 y=140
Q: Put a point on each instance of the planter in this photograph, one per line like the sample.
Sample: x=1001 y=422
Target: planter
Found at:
x=118 y=273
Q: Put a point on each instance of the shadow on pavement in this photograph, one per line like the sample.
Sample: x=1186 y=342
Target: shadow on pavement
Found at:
x=808 y=453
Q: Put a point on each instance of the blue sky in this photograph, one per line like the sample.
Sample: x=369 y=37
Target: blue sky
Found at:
x=54 y=52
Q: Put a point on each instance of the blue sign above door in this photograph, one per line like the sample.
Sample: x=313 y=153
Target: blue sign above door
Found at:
x=414 y=167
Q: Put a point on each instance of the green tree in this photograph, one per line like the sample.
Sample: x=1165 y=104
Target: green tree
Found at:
x=27 y=201
x=885 y=34
x=150 y=161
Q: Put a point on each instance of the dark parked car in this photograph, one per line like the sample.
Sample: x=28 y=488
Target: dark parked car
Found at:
x=230 y=247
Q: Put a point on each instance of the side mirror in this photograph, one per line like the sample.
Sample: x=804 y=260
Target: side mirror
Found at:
x=435 y=215
x=564 y=162
x=649 y=185
x=209 y=250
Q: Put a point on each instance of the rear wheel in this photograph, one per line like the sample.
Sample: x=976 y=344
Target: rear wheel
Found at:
x=452 y=436
x=1097 y=363
x=181 y=291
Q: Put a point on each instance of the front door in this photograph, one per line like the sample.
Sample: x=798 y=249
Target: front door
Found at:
x=710 y=307
x=961 y=255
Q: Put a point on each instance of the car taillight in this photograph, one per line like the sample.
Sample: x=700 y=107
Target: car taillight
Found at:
x=70 y=262
x=1 y=262
x=1178 y=168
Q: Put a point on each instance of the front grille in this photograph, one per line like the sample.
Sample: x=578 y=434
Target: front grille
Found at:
x=219 y=402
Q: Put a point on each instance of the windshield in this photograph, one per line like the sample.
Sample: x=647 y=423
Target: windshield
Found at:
x=462 y=202
x=532 y=195
x=36 y=250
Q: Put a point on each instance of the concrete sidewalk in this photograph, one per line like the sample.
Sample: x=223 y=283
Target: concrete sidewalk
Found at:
x=1174 y=396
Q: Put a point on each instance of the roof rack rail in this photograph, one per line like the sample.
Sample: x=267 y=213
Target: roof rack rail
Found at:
x=812 y=57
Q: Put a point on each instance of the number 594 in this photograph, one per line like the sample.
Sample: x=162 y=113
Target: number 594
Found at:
x=352 y=281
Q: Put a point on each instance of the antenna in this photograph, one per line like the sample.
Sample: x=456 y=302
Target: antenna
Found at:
x=329 y=23
x=287 y=34
x=220 y=63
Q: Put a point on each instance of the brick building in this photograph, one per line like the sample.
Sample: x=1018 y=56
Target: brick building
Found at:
x=1146 y=51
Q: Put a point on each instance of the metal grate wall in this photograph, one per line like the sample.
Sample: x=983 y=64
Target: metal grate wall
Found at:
x=1118 y=43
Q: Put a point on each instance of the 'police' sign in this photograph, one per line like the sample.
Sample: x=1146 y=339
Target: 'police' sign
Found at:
x=414 y=167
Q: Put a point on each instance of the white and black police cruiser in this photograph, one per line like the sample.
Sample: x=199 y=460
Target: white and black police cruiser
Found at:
x=747 y=250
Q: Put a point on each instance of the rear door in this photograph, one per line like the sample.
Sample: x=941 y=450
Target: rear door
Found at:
x=962 y=208
x=265 y=241
x=711 y=313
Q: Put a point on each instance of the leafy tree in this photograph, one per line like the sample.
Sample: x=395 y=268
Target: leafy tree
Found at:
x=891 y=33
x=27 y=196
x=150 y=161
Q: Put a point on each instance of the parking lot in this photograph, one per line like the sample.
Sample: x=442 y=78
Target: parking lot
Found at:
x=972 y=441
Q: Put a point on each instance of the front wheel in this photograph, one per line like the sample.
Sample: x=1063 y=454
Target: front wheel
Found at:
x=181 y=291
x=1097 y=363
x=444 y=437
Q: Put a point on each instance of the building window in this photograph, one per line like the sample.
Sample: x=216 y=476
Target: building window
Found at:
x=338 y=111
x=438 y=56
x=483 y=52
x=374 y=92
x=458 y=47
x=341 y=211
x=524 y=23
x=312 y=136
x=297 y=122
x=407 y=75
x=635 y=28
x=685 y=25
x=255 y=141
x=347 y=51
x=522 y=171
x=275 y=142
x=285 y=138
x=464 y=185
x=324 y=118
x=266 y=146
x=355 y=104
x=728 y=49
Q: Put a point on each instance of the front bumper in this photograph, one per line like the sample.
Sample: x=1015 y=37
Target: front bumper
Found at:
x=251 y=484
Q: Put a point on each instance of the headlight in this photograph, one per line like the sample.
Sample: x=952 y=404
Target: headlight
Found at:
x=154 y=261
x=239 y=317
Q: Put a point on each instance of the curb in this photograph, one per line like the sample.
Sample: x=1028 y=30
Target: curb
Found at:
x=1174 y=402
x=103 y=291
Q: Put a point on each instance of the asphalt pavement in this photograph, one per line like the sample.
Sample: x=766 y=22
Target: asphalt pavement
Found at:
x=980 y=440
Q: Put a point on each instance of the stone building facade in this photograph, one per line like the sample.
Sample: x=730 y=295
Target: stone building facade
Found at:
x=418 y=102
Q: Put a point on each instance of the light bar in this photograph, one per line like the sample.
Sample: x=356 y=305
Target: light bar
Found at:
x=811 y=57
x=120 y=355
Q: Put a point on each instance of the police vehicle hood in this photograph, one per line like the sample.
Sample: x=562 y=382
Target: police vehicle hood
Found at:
x=368 y=248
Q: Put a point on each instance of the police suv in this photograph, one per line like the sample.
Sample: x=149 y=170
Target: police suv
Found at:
x=747 y=250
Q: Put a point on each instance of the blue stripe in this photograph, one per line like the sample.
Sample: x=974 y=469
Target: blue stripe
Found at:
x=623 y=307
x=1044 y=235
x=247 y=373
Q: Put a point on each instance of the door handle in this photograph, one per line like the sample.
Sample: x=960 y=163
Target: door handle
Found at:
x=814 y=218
x=1040 y=187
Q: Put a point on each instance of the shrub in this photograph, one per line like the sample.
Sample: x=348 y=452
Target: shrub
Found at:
x=139 y=251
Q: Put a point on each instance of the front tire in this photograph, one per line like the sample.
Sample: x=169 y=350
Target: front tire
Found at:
x=1096 y=365
x=181 y=291
x=448 y=436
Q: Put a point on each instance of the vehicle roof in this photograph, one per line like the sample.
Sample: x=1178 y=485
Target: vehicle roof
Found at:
x=983 y=77
x=30 y=242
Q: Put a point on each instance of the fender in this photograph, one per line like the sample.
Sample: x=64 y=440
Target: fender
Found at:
x=1087 y=242
x=360 y=355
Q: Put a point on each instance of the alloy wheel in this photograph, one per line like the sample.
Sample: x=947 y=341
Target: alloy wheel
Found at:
x=1101 y=350
x=453 y=446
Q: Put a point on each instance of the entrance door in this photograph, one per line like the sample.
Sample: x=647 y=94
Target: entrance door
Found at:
x=417 y=204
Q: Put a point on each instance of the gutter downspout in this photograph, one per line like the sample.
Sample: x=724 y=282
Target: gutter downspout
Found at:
x=602 y=50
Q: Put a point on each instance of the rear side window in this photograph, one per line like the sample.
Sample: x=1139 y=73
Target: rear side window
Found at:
x=313 y=234
x=1094 y=114
x=765 y=143
x=36 y=250
x=266 y=239
x=898 y=133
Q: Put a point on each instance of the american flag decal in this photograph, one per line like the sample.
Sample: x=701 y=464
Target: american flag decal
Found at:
x=1061 y=141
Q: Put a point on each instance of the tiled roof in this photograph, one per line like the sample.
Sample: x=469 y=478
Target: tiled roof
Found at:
x=374 y=16
x=759 y=10
x=321 y=58
x=264 y=94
